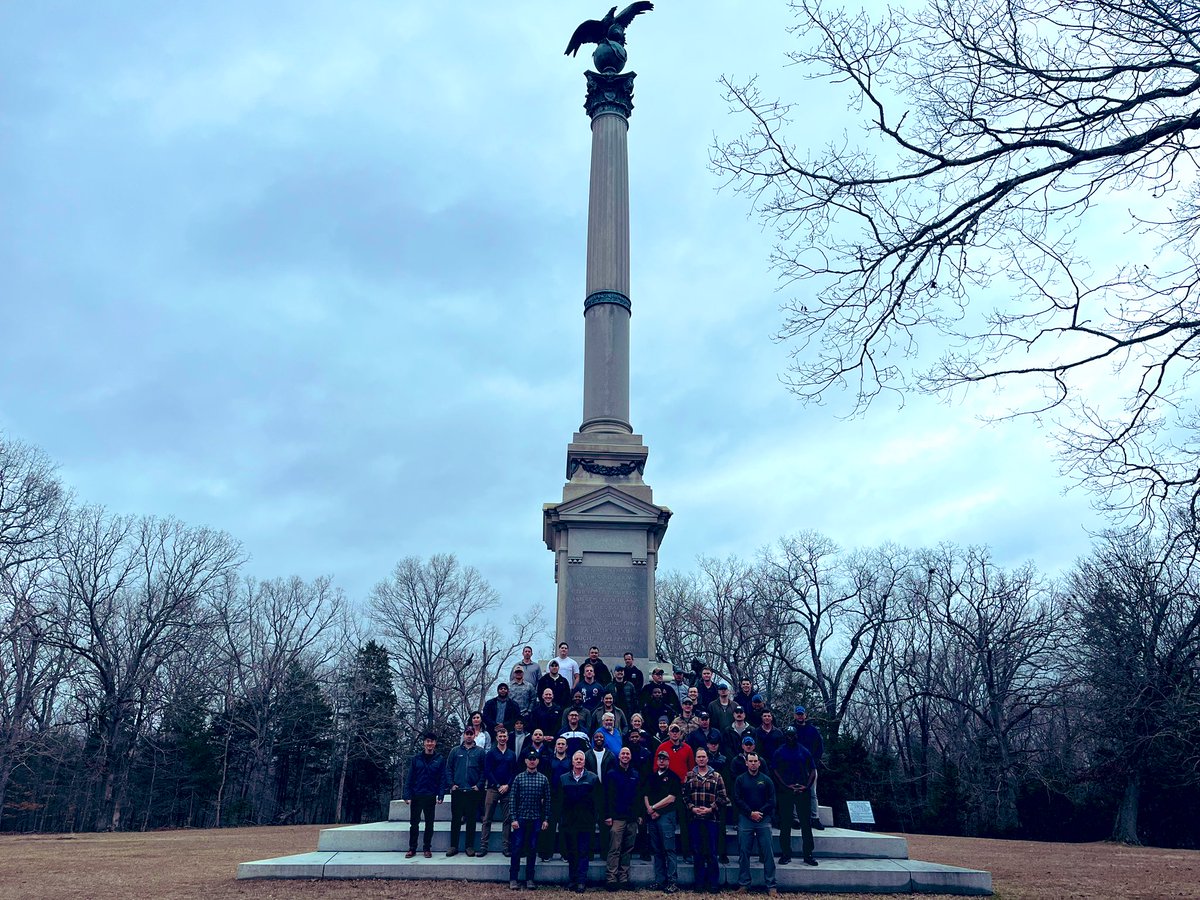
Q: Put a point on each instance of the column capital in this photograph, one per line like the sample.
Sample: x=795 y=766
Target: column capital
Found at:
x=609 y=93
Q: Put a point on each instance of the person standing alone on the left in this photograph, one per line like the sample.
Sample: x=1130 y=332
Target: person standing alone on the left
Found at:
x=464 y=771
x=424 y=786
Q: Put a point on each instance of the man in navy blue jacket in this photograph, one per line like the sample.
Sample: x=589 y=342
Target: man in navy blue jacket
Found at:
x=794 y=770
x=811 y=740
x=422 y=788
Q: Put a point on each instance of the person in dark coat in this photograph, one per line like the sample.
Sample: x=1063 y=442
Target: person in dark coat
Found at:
x=810 y=739
x=424 y=787
x=464 y=775
x=500 y=710
x=557 y=683
x=793 y=770
x=582 y=803
x=546 y=714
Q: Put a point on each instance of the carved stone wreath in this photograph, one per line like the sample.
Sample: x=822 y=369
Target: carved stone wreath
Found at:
x=594 y=468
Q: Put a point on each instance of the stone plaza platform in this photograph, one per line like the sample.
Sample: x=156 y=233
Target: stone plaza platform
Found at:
x=850 y=861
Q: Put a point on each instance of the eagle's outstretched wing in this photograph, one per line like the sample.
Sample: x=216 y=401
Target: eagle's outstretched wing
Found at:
x=590 y=32
x=634 y=9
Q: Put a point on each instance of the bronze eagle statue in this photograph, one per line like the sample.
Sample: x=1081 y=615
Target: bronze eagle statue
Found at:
x=609 y=36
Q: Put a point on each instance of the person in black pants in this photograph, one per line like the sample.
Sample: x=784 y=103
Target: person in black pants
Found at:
x=794 y=770
x=422 y=788
x=530 y=808
x=464 y=771
x=582 y=803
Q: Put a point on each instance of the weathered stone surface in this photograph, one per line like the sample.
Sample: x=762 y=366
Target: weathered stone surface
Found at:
x=840 y=843
x=839 y=875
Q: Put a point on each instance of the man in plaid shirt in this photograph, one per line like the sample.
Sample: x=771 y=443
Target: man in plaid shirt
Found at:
x=529 y=806
x=705 y=798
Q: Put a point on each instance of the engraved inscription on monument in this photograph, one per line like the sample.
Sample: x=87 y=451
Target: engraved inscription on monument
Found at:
x=609 y=608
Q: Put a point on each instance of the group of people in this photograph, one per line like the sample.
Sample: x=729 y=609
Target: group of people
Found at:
x=579 y=751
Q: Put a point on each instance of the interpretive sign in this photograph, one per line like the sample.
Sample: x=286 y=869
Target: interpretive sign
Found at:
x=860 y=812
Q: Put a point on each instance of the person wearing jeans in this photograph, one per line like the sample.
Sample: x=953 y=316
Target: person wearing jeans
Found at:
x=754 y=797
x=663 y=789
x=529 y=806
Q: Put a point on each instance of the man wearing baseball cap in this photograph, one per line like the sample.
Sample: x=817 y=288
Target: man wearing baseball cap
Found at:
x=661 y=798
x=530 y=810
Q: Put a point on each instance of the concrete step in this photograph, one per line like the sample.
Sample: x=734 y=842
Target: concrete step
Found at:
x=398 y=811
x=836 y=875
x=392 y=837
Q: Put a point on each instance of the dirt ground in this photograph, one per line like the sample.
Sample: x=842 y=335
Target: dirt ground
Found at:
x=178 y=864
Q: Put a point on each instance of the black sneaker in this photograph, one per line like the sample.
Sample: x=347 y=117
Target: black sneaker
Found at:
x=655 y=886
x=784 y=860
x=818 y=825
x=809 y=861
x=724 y=859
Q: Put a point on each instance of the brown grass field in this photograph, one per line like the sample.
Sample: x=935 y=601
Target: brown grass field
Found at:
x=177 y=864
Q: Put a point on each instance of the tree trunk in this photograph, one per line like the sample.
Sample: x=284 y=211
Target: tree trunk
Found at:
x=1125 y=828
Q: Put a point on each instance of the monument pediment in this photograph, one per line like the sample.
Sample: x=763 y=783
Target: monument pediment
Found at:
x=609 y=502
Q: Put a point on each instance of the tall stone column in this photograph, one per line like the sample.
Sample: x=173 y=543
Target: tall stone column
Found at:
x=606 y=531
x=607 y=308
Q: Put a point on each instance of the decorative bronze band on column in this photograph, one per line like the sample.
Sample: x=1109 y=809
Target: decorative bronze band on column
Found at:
x=610 y=93
x=597 y=297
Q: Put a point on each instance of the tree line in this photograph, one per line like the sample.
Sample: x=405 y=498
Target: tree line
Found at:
x=147 y=681
x=963 y=697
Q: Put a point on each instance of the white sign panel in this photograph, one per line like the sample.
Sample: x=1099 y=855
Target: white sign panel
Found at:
x=860 y=812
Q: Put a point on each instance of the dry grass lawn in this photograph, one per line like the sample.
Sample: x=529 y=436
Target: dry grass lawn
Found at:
x=177 y=864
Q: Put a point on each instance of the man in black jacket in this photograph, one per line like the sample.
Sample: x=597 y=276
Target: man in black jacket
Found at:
x=582 y=803
x=422 y=788
x=500 y=711
x=754 y=798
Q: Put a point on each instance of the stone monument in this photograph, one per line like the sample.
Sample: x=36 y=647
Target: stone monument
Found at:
x=606 y=531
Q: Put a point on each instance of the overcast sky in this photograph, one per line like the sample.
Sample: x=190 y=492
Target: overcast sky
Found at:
x=313 y=272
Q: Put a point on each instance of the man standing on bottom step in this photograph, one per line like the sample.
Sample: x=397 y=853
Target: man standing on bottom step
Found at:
x=464 y=771
x=529 y=806
x=754 y=797
x=424 y=786
x=581 y=804
x=661 y=797
x=794 y=770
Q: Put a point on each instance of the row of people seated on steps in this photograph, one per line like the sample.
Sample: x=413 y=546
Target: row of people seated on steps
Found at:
x=672 y=787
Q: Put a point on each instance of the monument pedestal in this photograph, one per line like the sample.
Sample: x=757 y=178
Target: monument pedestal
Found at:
x=605 y=537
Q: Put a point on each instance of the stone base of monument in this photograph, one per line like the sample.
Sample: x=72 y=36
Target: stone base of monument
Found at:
x=399 y=810
x=850 y=861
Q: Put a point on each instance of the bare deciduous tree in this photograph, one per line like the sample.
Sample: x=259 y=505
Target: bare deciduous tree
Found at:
x=998 y=141
x=829 y=612
x=133 y=593
x=430 y=613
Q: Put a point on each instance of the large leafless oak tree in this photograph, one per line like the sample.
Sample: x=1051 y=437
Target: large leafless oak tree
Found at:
x=1021 y=197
